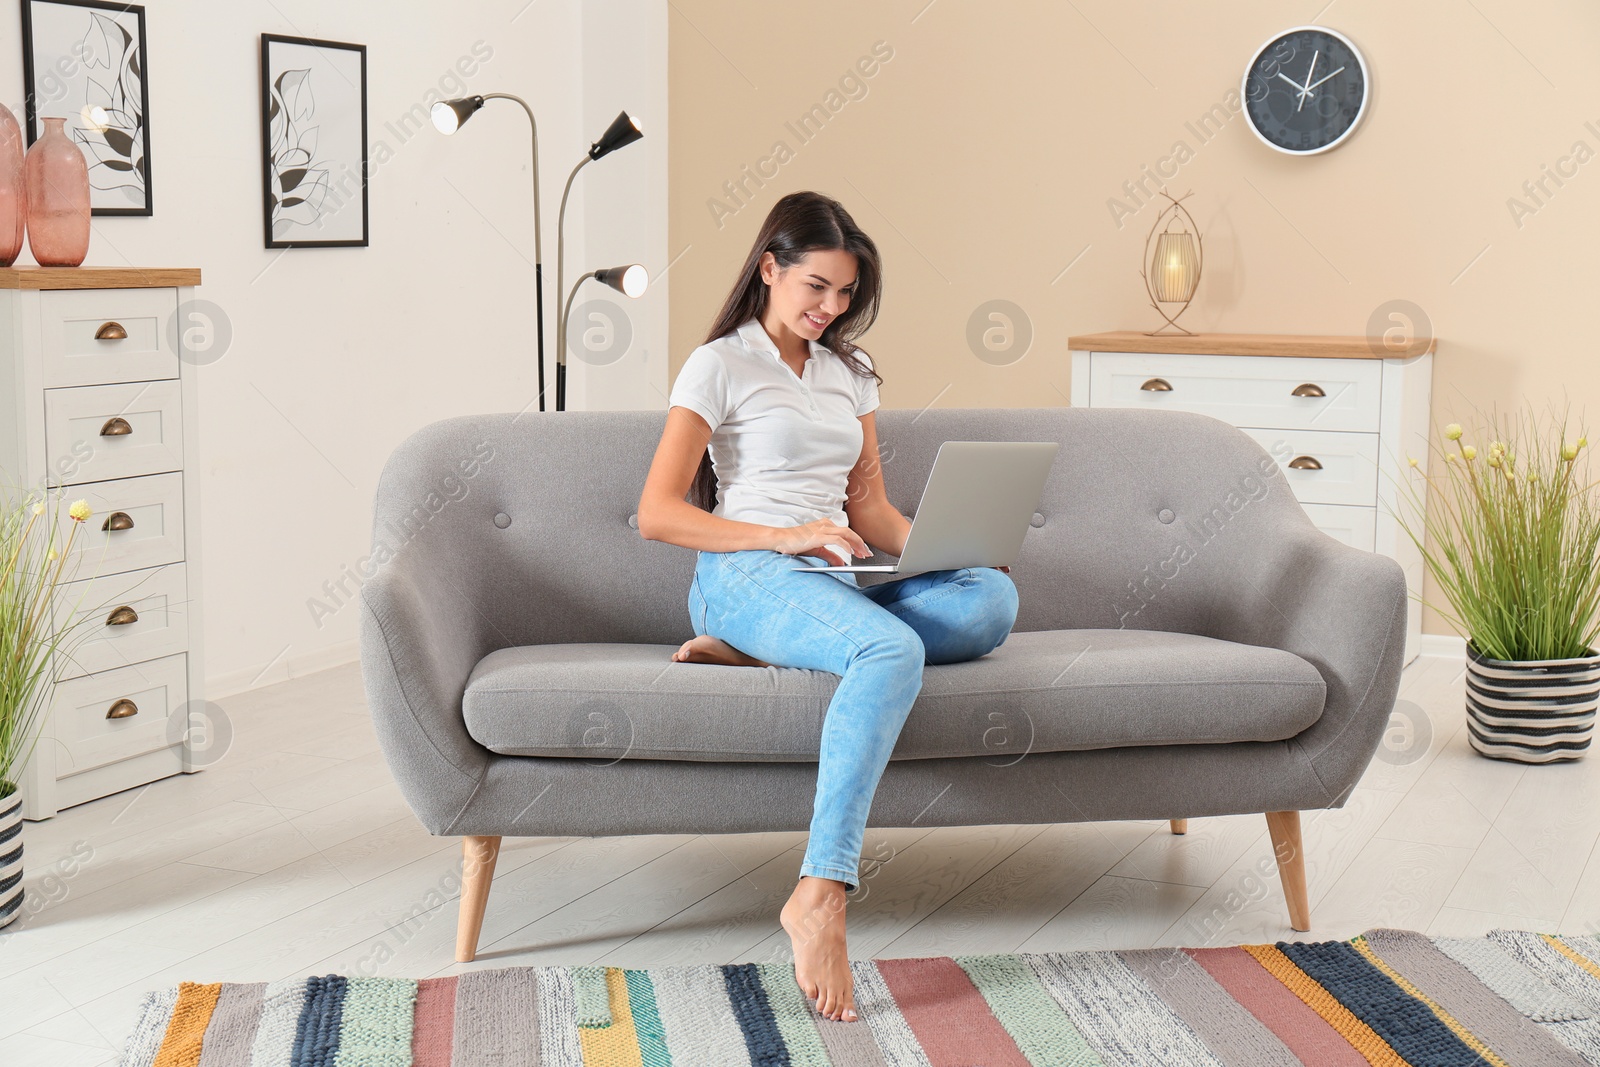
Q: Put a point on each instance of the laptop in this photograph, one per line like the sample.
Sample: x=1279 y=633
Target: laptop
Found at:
x=975 y=509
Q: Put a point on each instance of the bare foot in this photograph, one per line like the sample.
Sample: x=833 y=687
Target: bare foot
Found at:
x=708 y=649
x=814 y=919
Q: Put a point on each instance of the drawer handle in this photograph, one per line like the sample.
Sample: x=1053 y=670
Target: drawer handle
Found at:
x=111 y=331
x=1305 y=463
x=118 y=520
x=123 y=709
x=122 y=616
x=116 y=426
x=1157 y=385
x=1307 y=389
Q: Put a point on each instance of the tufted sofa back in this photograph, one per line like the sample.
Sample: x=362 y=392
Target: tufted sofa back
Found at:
x=1147 y=520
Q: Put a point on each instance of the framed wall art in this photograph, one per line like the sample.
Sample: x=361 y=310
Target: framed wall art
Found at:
x=313 y=142
x=84 y=60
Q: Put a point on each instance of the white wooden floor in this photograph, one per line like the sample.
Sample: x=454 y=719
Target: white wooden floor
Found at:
x=295 y=854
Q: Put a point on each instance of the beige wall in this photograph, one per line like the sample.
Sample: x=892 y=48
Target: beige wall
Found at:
x=982 y=157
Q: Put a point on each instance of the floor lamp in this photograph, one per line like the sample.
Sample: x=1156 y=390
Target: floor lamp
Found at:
x=624 y=130
x=448 y=116
x=630 y=281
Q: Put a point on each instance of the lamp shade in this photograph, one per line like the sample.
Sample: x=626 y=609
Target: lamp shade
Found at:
x=448 y=115
x=1174 y=269
x=630 y=280
x=624 y=130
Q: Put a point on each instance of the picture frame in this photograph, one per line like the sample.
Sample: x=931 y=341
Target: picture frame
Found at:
x=85 y=60
x=313 y=142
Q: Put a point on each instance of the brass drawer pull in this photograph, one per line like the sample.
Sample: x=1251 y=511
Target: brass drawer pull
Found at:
x=1305 y=463
x=122 y=616
x=1157 y=385
x=1307 y=389
x=118 y=520
x=111 y=331
x=116 y=426
x=123 y=709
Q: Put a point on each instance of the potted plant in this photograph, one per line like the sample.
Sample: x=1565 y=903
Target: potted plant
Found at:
x=1516 y=530
x=33 y=633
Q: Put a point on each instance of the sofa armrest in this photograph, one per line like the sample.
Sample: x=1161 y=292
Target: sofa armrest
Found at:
x=422 y=632
x=1343 y=610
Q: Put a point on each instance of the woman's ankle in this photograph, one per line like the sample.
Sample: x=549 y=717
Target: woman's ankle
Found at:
x=814 y=888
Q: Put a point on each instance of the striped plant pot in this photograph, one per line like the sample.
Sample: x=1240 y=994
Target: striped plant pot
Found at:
x=10 y=855
x=1531 y=711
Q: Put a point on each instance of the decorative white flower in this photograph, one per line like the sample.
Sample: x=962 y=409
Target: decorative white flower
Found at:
x=1453 y=431
x=79 y=510
x=1469 y=451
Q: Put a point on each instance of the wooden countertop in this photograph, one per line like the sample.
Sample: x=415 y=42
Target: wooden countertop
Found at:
x=1250 y=344
x=97 y=277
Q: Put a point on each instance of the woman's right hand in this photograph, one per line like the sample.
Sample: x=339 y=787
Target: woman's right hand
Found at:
x=811 y=539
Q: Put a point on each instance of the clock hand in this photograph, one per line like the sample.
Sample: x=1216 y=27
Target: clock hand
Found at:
x=1290 y=80
x=1322 y=79
x=1305 y=90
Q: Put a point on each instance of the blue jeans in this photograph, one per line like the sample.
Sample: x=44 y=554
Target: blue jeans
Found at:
x=875 y=638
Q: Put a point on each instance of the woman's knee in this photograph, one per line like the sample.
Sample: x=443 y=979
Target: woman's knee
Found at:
x=896 y=641
x=1000 y=596
x=999 y=601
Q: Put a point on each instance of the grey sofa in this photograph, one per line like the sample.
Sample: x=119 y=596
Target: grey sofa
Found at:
x=1187 y=644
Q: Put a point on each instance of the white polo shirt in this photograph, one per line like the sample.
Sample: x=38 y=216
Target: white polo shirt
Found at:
x=782 y=446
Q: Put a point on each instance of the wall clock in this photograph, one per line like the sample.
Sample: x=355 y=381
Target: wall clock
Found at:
x=1305 y=90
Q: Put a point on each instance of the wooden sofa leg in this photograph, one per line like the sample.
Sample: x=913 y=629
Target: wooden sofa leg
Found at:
x=478 y=855
x=1180 y=826
x=1284 y=826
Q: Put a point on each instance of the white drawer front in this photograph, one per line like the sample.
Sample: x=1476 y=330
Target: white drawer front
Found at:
x=124 y=618
x=1348 y=471
x=1356 y=527
x=153 y=505
x=81 y=427
x=1243 y=390
x=86 y=738
x=74 y=356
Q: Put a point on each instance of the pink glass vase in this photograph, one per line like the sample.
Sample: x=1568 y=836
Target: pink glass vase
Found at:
x=13 y=197
x=58 y=198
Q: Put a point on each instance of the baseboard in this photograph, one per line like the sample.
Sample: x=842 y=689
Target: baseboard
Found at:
x=1453 y=646
x=220 y=686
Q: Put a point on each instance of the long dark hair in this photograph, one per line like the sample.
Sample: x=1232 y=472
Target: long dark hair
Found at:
x=798 y=224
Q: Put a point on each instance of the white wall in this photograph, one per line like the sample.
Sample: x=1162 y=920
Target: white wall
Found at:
x=626 y=198
x=339 y=354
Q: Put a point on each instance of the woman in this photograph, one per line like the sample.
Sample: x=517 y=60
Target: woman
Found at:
x=771 y=423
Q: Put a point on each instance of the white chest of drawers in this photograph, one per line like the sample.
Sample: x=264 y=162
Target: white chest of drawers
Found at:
x=1340 y=419
x=97 y=399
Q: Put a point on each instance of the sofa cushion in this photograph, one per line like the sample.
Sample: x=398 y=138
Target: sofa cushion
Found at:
x=1041 y=691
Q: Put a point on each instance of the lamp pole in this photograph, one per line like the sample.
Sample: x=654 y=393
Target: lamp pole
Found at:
x=624 y=130
x=448 y=117
x=630 y=280
x=561 y=323
x=538 y=257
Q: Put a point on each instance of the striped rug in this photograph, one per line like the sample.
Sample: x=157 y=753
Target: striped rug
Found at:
x=1386 y=997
